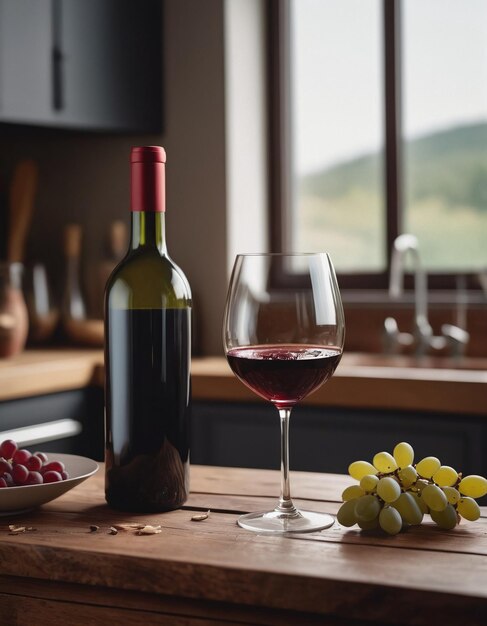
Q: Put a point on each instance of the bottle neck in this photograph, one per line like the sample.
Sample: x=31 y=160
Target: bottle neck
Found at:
x=148 y=231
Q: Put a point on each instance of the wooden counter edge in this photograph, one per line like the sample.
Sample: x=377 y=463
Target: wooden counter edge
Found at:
x=37 y=372
x=359 y=387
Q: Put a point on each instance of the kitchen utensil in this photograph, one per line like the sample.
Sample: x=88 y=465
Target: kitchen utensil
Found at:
x=43 y=315
x=116 y=249
x=13 y=311
x=22 y=194
x=77 y=326
x=73 y=305
x=88 y=332
x=14 y=321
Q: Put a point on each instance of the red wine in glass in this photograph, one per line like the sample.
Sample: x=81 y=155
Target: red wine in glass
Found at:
x=284 y=373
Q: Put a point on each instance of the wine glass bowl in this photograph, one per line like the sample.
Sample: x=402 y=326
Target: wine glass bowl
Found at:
x=283 y=336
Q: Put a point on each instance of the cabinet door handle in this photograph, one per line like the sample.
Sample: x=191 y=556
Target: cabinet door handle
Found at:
x=50 y=431
x=57 y=57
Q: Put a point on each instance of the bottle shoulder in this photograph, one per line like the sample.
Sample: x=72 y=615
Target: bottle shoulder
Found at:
x=147 y=280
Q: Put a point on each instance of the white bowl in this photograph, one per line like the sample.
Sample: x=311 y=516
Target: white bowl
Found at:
x=15 y=500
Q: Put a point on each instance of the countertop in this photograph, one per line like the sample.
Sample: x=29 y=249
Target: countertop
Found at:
x=213 y=572
x=361 y=381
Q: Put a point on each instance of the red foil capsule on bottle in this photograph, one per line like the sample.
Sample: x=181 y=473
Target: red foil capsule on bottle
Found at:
x=148 y=179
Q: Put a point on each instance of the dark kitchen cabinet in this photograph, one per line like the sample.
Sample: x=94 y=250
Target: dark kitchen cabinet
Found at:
x=328 y=439
x=68 y=421
x=25 y=35
x=82 y=64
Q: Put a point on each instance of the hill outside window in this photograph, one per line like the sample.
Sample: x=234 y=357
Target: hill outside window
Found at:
x=380 y=127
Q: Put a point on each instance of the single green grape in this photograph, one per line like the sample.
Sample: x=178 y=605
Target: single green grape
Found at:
x=473 y=486
x=384 y=462
x=420 y=484
x=434 y=497
x=420 y=502
x=445 y=476
x=446 y=519
x=452 y=494
x=409 y=509
x=403 y=453
x=359 y=469
x=370 y=525
x=390 y=520
x=369 y=482
x=428 y=466
x=388 y=489
x=408 y=476
x=367 y=508
x=468 y=508
x=352 y=492
x=346 y=514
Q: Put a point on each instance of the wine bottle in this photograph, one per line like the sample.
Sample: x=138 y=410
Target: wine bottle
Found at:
x=147 y=357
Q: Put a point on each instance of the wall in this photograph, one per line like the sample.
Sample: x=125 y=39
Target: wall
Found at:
x=246 y=127
x=84 y=177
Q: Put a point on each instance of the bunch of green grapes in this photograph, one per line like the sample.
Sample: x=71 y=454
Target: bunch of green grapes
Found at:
x=393 y=492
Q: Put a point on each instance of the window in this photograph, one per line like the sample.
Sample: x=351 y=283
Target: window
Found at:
x=380 y=122
x=445 y=131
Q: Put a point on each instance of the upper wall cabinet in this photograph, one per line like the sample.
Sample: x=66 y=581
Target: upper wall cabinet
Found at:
x=82 y=64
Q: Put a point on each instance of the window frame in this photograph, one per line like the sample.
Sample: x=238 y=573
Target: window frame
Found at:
x=280 y=142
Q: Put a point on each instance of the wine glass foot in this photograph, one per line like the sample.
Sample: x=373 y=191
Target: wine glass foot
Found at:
x=278 y=523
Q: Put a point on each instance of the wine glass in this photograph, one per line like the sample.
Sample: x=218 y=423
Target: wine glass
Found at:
x=283 y=335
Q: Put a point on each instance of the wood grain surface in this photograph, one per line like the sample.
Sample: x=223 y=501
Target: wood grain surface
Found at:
x=213 y=572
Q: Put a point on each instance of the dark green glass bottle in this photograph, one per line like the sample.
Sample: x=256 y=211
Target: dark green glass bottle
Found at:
x=147 y=357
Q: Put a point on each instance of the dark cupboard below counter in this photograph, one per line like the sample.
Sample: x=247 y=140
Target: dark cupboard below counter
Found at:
x=69 y=421
x=329 y=439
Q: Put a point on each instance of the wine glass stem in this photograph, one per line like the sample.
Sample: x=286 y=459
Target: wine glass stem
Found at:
x=285 y=503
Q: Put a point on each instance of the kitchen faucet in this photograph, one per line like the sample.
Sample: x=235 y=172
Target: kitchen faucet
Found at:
x=422 y=336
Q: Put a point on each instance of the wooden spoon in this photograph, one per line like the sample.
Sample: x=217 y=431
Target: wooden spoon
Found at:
x=22 y=194
x=14 y=321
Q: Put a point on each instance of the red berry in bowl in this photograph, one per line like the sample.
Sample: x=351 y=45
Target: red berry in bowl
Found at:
x=21 y=456
x=34 y=463
x=21 y=467
x=52 y=477
x=34 y=478
x=7 y=477
x=8 y=448
x=19 y=474
x=4 y=466
x=53 y=466
x=42 y=456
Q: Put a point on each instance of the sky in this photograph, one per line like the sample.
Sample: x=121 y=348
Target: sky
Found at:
x=337 y=73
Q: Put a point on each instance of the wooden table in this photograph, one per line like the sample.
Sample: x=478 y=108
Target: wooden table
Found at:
x=213 y=572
